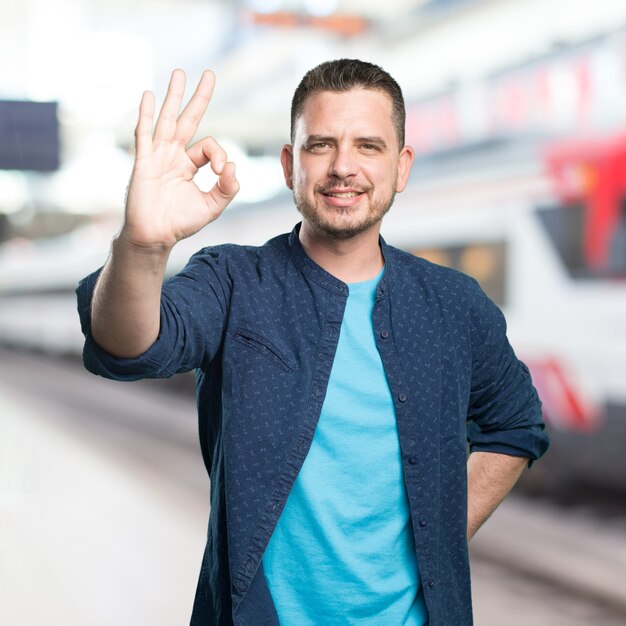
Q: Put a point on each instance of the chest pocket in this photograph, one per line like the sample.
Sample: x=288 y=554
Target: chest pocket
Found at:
x=264 y=346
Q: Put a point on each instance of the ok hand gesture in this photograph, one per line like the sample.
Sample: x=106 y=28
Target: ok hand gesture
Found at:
x=163 y=204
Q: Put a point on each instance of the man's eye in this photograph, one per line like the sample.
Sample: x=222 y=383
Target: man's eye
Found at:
x=369 y=147
x=320 y=145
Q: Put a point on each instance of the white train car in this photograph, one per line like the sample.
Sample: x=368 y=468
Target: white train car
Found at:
x=501 y=216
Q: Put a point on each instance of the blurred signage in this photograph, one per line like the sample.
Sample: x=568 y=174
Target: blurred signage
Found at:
x=581 y=90
x=344 y=25
x=591 y=175
x=564 y=405
x=29 y=136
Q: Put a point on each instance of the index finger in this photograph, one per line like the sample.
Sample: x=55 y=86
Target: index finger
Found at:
x=189 y=119
x=143 y=131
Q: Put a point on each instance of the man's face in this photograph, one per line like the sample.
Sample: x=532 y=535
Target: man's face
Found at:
x=345 y=165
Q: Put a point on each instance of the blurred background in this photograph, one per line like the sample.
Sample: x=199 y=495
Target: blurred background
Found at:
x=517 y=112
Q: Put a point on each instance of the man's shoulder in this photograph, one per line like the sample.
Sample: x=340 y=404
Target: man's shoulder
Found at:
x=447 y=290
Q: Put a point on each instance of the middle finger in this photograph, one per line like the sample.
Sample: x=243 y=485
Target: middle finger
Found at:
x=166 y=124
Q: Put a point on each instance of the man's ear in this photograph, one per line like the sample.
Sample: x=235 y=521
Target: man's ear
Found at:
x=286 y=160
x=405 y=161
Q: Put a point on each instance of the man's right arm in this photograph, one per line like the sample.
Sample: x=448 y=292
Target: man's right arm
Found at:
x=163 y=206
x=125 y=311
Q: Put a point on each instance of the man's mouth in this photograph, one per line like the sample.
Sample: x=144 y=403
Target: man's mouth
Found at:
x=342 y=194
x=342 y=198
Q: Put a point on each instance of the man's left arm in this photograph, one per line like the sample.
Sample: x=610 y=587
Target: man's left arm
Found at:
x=490 y=477
x=505 y=426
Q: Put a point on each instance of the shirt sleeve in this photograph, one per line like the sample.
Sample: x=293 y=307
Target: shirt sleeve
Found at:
x=504 y=409
x=193 y=313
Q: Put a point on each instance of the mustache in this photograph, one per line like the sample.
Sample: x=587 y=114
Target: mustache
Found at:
x=334 y=186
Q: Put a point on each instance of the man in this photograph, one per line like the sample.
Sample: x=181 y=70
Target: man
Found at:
x=335 y=374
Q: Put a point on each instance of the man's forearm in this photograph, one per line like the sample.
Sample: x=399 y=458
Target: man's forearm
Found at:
x=490 y=477
x=125 y=312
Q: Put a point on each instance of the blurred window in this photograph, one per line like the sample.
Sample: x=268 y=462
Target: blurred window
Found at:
x=566 y=226
x=486 y=262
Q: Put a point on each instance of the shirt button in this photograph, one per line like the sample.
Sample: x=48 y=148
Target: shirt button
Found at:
x=240 y=586
x=423 y=523
x=412 y=460
x=431 y=583
x=384 y=334
x=402 y=397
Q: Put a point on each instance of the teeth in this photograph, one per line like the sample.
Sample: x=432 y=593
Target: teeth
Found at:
x=348 y=194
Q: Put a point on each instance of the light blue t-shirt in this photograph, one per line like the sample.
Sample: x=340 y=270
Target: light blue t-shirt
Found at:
x=342 y=551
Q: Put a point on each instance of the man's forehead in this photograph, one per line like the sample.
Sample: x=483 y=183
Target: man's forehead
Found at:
x=341 y=97
x=360 y=108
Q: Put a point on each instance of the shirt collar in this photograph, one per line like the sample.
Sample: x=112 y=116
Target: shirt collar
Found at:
x=319 y=275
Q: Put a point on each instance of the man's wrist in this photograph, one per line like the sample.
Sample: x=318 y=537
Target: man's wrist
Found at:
x=149 y=256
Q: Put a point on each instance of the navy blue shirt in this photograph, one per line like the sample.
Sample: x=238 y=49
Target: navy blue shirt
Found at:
x=260 y=326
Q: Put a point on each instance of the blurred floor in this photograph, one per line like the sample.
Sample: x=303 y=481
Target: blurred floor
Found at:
x=504 y=598
x=87 y=535
x=102 y=519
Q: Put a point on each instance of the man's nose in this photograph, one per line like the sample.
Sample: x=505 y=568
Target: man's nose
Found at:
x=344 y=163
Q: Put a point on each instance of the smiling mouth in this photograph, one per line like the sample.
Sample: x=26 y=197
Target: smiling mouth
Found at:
x=347 y=194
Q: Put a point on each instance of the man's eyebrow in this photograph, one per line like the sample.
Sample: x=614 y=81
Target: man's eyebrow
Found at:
x=319 y=139
x=377 y=141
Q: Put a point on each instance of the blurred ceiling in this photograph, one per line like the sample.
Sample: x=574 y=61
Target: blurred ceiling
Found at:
x=95 y=57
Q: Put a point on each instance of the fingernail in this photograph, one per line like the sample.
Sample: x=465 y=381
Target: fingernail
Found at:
x=219 y=166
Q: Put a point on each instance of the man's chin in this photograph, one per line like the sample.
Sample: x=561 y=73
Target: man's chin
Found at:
x=338 y=230
x=341 y=234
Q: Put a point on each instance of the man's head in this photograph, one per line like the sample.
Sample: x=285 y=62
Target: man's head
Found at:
x=347 y=157
x=344 y=75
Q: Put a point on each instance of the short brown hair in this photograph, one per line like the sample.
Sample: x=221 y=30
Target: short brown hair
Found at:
x=346 y=74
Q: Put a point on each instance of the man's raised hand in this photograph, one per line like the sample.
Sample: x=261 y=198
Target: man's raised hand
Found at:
x=163 y=203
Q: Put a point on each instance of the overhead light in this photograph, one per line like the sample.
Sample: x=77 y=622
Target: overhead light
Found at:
x=265 y=6
x=321 y=8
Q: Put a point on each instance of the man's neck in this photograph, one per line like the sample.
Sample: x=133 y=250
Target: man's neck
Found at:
x=350 y=260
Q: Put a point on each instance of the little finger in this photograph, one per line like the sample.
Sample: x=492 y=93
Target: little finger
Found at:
x=189 y=119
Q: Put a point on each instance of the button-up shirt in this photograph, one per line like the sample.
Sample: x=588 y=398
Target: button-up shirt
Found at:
x=260 y=326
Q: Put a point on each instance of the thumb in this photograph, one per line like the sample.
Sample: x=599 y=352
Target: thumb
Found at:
x=227 y=183
x=225 y=189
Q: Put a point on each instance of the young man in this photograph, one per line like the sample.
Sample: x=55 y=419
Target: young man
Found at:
x=338 y=378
